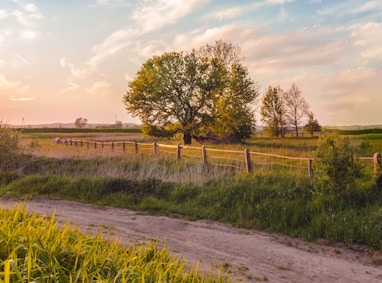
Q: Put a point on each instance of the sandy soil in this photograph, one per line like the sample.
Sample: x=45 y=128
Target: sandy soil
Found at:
x=251 y=256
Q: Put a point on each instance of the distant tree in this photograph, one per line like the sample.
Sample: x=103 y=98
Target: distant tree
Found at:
x=296 y=107
x=80 y=122
x=193 y=93
x=273 y=112
x=312 y=126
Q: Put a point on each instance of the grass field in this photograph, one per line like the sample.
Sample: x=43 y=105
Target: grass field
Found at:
x=35 y=249
x=280 y=199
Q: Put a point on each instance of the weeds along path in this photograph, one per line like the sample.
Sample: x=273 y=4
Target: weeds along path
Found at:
x=250 y=256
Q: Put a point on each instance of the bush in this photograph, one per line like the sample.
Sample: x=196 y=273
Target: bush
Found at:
x=9 y=148
x=336 y=167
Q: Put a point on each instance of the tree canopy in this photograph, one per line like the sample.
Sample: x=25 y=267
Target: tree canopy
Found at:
x=296 y=107
x=281 y=110
x=273 y=112
x=203 y=91
x=80 y=122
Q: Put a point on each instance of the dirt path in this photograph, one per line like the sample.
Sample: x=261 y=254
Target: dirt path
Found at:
x=250 y=255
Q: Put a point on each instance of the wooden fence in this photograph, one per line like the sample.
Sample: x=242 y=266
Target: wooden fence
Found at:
x=238 y=159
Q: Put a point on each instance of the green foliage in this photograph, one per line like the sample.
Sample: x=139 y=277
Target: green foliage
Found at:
x=34 y=249
x=361 y=132
x=296 y=107
x=9 y=148
x=312 y=126
x=273 y=112
x=80 y=122
x=166 y=131
x=198 y=91
x=336 y=168
x=275 y=202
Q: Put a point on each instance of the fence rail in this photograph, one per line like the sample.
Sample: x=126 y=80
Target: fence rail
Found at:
x=241 y=160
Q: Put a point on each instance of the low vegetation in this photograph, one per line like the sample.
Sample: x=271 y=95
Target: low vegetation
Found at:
x=35 y=249
x=341 y=203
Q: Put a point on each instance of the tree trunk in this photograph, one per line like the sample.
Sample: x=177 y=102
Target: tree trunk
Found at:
x=187 y=138
x=296 y=130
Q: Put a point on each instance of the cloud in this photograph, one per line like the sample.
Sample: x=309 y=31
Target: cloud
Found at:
x=279 y=1
x=63 y=62
x=352 y=92
x=111 y=45
x=3 y=14
x=100 y=88
x=21 y=20
x=27 y=15
x=368 y=6
x=151 y=15
x=22 y=99
x=6 y=84
x=231 y=12
x=22 y=59
x=70 y=87
x=109 y=3
x=155 y=14
x=28 y=34
x=226 y=13
x=101 y=52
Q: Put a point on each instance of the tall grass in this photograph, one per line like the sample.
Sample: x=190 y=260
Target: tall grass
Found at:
x=276 y=198
x=34 y=249
x=271 y=202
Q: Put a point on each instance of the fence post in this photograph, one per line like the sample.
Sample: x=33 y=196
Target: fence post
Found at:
x=136 y=147
x=123 y=146
x=112 y=146
x=310 y=168
x=155 y=150
x=178 y=151
x=204 y=155
x=377 y=164
x=248 y=160
x=102 y=145
x=95 y=145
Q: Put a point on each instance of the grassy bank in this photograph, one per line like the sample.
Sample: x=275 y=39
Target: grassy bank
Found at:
x=274 y=202
x=276 y=198
x=34 y=249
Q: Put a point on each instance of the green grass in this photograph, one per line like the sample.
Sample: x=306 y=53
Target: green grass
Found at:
x=271 y=202
x=272 y=198
x=35 y=249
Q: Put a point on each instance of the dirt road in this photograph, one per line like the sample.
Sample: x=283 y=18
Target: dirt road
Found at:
x=250 y=255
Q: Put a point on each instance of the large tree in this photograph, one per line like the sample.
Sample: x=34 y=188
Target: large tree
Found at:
x=296 y=107
x=193 y=93
x=273 y=112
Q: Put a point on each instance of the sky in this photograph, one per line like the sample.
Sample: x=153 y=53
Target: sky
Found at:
x=61 y=60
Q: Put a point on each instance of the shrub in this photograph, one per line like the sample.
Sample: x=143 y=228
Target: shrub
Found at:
x=336 y=167
x=9 y=148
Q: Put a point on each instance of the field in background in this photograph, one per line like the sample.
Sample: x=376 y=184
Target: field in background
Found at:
x=265 y=153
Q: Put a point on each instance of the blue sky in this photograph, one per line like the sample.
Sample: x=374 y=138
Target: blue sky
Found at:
x=60 y=60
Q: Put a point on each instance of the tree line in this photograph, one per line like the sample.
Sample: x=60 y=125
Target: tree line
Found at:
x=282 y=110
x=208 y=94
